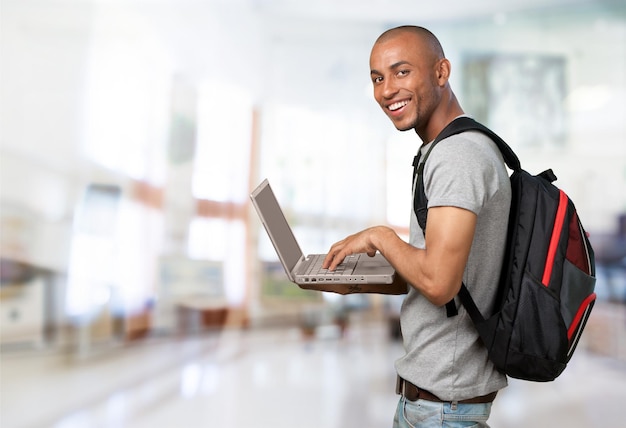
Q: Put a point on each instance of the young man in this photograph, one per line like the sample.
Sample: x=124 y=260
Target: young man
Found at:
x=445 y=377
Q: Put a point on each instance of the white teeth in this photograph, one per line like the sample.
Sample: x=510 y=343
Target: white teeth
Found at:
x=396 y=106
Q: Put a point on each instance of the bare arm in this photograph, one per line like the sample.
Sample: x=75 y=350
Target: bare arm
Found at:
x=437 y=271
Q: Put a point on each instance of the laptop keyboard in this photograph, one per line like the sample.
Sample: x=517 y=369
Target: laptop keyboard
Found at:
x=344 y=268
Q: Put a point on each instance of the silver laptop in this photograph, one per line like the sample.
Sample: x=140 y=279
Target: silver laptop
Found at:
x=305 y=270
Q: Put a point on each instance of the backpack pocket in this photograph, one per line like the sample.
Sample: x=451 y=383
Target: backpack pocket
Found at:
x=577 y=300
x=539 y=341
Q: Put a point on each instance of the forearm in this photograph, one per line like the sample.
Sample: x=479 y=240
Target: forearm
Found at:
x=426 y=271
x=437 y=271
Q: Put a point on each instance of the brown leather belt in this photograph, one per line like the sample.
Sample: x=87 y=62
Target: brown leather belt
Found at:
x=413 y=393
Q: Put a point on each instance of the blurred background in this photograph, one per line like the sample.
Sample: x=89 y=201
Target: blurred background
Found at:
x=137 y=285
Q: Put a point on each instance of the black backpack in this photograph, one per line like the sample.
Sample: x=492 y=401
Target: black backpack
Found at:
x=546 y=288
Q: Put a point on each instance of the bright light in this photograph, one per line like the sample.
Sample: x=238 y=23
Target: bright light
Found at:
x=223 y=145
x=587 y=98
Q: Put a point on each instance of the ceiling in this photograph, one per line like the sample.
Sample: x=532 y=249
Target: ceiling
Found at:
x=391 y=12
x=285 y=48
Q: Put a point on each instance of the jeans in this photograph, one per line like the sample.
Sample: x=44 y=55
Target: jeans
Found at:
x=428 y=414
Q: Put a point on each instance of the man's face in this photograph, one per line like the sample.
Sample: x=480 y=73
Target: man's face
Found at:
x=404 y=79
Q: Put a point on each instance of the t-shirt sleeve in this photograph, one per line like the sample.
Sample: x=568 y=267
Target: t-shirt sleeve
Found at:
x=461 y=172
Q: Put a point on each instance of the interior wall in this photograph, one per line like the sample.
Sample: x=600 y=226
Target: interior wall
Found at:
x=44 y=57
x=591 y=162
x=48 y=47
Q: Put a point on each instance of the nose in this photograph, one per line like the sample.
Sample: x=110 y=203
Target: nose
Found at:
x=387 y=89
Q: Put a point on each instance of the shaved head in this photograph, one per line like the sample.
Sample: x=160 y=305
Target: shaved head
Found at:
x=424 y=35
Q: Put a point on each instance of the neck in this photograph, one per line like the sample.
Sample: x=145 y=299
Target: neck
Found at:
x=447 y=110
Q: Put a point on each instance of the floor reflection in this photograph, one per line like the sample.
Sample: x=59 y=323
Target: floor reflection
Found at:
x=271 y=378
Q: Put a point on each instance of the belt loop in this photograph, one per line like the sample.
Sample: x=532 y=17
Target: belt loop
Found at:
x=453 y=405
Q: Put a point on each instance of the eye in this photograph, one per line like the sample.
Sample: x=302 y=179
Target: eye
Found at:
x=377 y=79
x=402 y=73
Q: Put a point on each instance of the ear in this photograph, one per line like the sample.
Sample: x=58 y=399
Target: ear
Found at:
x=443 y=68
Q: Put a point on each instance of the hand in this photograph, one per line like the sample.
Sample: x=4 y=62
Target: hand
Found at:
x=362 y=242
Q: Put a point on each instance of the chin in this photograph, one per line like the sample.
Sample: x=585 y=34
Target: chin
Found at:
x=404 y=125
x=401 y=127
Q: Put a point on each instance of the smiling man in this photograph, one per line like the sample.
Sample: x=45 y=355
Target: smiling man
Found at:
x=445 y=377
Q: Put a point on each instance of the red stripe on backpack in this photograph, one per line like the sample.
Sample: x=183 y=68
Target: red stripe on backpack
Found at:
x=556 y=237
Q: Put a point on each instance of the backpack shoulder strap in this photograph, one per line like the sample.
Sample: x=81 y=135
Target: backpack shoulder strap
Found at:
x=458 y=125
x=465 y=123
x=420 y=201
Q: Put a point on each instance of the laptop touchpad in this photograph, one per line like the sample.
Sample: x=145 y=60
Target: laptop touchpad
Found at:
x=373 y=266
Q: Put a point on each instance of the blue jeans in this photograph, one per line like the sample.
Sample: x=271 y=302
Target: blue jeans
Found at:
x=428 y=414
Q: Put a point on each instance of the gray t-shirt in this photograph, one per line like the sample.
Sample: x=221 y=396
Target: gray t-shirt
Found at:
x=444 y=355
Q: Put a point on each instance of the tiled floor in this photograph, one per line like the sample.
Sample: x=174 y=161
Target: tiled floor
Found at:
x=271 y=378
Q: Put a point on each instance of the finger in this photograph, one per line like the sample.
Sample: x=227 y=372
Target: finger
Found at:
x=332 y=253
x=337 y=259
x=327 y=260
x=339 y=253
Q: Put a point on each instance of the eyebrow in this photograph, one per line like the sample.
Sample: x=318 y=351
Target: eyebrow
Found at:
x=393 y=66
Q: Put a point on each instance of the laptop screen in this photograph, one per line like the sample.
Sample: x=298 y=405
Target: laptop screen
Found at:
x=277 y=227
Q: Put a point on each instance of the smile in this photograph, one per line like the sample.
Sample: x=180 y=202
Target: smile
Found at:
x=397 y=105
